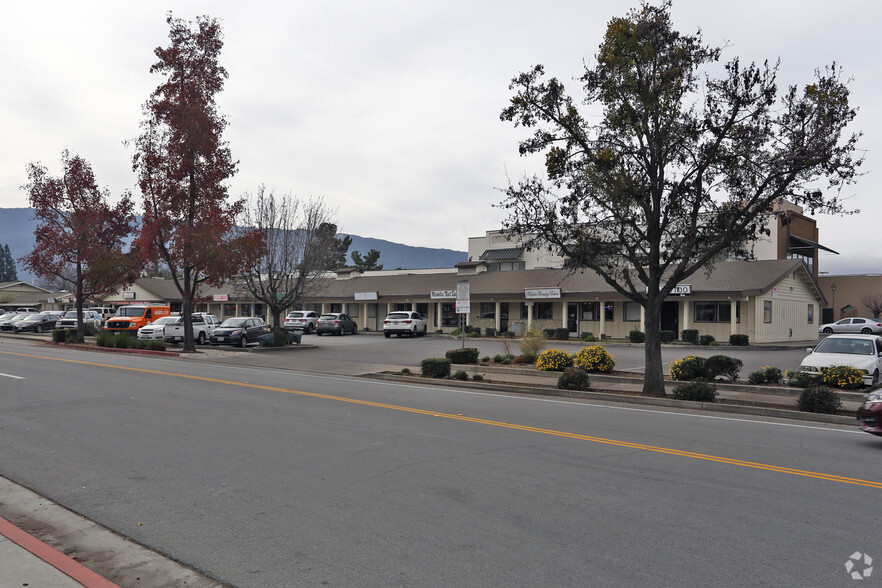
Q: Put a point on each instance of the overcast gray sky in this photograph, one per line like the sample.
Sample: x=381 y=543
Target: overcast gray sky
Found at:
x=389 y=109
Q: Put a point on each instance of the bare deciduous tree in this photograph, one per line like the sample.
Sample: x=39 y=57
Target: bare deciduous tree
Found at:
x=296 y=250
x=873 y=302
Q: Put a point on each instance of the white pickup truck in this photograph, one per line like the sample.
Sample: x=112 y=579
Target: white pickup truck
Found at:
x=203 y=325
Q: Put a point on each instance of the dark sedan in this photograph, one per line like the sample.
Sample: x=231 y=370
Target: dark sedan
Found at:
x=238 y=331
x=335 y=323
x=870 y=413
x=7 y=323
x=36 y=323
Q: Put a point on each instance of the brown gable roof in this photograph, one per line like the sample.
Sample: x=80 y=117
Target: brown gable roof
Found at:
x=739 y=278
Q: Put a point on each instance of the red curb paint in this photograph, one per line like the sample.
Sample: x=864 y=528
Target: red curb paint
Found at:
x=53 y=557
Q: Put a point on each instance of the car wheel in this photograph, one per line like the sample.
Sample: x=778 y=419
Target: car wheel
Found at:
x=317 y=334
x=413 y=333
x=201 y=339
x=387 y=334
x=866 y=331
x=243 y=341
x=828 y=330
x=310 y=329
x=355 y=329
x=875 y=378
x=39 y=328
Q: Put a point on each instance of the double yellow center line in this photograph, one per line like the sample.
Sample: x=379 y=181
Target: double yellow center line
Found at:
x=459 y=417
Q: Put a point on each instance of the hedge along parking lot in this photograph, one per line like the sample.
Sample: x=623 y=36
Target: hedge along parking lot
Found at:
x=373 y=348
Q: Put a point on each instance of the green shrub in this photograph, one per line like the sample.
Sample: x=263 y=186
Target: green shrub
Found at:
x=532 y=345
x=738 y=340
x=478 y=378
x=506 y=360
x=562 y=334
x=405 y=371
x=548 y=333
x=698 y=390
x=574 y=378
x=842 y=376
x=523 y=359
x=798 y=379
x=467 y=355
x=156 y=345
x=490 y=331
x=72 y=335
x=106 y=339
x=668 y=336
x=498 y=358
x=637 y=336
x=706 y=339
x=589 y=339
x=554 y=360
x=435 y=367
x=586 y=334
x=457 y=332
x=508 y=334
x=460 y=375
x=722 y=365
x=687 y=369
x=819 y=399
x=59 y=335
x=594 y=359
x=766 y=375
x=689 y=336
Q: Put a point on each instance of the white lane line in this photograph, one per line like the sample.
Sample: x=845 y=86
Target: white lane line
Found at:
x=11 y=376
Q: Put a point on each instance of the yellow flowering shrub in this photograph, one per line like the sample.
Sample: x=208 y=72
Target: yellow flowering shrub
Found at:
x=594 y=359
x=686 y=369
x=554 y=360
x=842 y=376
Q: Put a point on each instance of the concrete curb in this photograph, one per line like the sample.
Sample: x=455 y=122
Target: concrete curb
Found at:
x=541 y=390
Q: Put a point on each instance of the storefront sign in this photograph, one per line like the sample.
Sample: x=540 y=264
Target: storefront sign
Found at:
x=366 y=295
x=220 y=297
x=542 y=293
x=682 y=290
x=128 y=295
x=442 y=294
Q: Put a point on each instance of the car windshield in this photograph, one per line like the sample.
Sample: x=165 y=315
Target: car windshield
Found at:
x=7 y=316
x=130 y=311
x=166 y=320
x=233 y=322
x=847 y=345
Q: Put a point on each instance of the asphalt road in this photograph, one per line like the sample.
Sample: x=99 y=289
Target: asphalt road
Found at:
x=276 y=477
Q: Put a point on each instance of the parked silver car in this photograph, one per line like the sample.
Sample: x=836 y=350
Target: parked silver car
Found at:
x=302 y=320
x=866 y=326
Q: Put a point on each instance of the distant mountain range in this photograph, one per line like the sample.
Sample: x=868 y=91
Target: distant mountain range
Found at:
x=17 y=227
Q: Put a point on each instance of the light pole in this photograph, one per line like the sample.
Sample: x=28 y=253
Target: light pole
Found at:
x=833 y=289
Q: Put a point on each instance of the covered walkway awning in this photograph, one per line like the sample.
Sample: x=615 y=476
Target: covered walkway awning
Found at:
x=803 y=243
x=502 y=254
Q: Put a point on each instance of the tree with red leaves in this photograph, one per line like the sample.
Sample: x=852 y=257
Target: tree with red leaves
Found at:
x=183 y=162
x=79 y=236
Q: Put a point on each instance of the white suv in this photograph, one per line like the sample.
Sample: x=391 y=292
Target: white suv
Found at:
x=301 y=320
x=404 y=322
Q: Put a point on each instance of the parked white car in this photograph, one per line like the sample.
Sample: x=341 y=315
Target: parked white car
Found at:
x=301 y=320
x=69 y=319
x=404 y=322
x=203 y=323
x=155 y=331
x=863 y=352
x=866 y=326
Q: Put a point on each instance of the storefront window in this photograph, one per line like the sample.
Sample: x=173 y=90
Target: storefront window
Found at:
x=590 y=311
x=609 y=311
x=229 y=309
x=631 y=312
x=352 y=309
x=716 y=312
x=449 y=317
x=811 y=314
x=488 y=310
x=542 y=310
x=767 y=311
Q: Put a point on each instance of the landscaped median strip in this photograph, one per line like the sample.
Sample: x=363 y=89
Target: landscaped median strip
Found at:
x=460 y=417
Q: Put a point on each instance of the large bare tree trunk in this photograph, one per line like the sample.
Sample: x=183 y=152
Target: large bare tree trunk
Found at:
x=654 y=378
